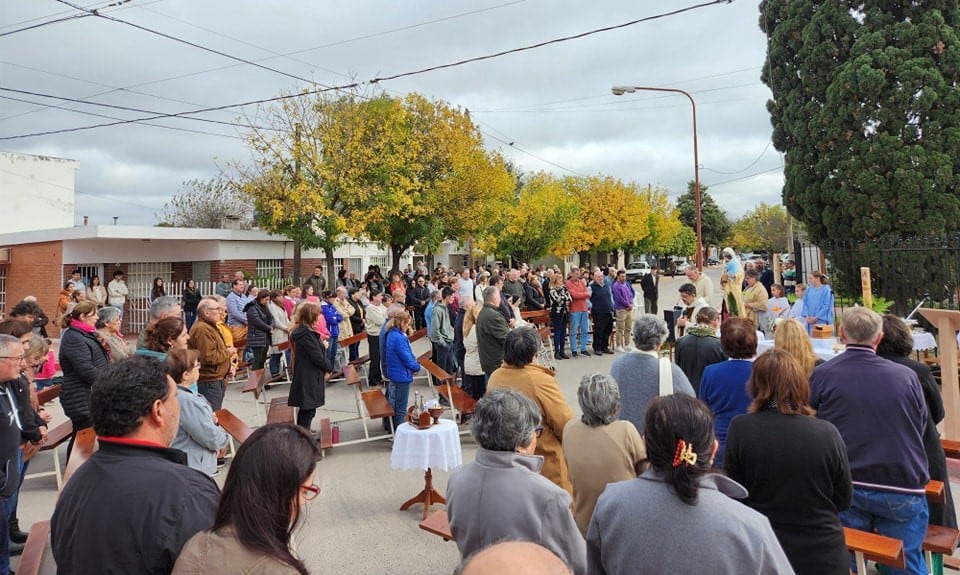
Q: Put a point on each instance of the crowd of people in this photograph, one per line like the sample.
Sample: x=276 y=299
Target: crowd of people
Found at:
x=724 y=458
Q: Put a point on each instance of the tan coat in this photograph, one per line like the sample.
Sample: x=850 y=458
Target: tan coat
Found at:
x=210 y=553
x=539 y=384
x=346 y=310
x=755 y=303
x=597 y=456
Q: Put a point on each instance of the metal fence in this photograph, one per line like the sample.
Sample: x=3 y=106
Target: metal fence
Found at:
x=903 y=271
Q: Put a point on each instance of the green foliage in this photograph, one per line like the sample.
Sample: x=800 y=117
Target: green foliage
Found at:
x=865 y=109
x=714 y=224
x=763 y=228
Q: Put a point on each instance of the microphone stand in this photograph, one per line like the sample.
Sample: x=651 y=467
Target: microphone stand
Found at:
x=926 y=296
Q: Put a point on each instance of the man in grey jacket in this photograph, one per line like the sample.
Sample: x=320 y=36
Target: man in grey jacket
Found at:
x=501 y=496
x=441 y=333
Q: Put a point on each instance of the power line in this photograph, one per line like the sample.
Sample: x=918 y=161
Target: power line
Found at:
x=355 y=85
x=187 y=42
x=115 y=118
x=750 y=165
x=747 y=177
x=128 y=109
x=550 y=42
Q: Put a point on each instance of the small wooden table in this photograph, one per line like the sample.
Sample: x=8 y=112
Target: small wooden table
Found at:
x=438 y=446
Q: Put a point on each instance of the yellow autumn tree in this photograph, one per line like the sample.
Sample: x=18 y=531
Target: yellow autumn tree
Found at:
x=612 y=214
x=762 y=228
x=293 y=177
x=663 y=224
x=418 y=174
x=539 y=221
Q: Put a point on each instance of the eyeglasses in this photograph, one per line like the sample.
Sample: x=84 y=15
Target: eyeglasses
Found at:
x=310 y=492
x=19 y=358
x=538 y=430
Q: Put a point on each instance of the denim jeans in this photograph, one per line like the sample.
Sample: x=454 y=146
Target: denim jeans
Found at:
x=896 y=515
x=333 y=349
x=5 y=536
x=399 y=397
x=275 y=361
x=579 y=324
x=559 y=331
x=191 y=316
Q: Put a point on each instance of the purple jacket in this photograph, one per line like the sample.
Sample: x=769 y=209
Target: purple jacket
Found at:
x=622 y=295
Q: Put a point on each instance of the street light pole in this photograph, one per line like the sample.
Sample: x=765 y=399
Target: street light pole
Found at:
x=621 y=90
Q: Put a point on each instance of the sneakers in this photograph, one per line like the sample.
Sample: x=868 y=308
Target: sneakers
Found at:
x=221 y=461
x=607 y=351
x=620 y=349
x=574 y=354
x=585 y=353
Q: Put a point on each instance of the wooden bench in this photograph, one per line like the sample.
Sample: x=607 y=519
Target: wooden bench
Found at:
x=280 y=412
x=235 y=428
x=48 y=394
x=951 y=448
x=32 y=556
x=371 y=404
x=871 y=546
x=55 y=438
x=460 y=402
x=256 y=384
x=84 y=446
x=36 y=544
x=539 y=318
x=439 y=524
x=939 y=543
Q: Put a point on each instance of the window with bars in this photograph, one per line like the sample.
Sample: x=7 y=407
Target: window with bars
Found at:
x=140 y=278
x=201 y=272
x=3 y=290
x=268 y=268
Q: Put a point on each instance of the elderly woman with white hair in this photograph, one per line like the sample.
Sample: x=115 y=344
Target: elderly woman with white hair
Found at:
x=638 y=373
x=599 y=448
x=500 y=496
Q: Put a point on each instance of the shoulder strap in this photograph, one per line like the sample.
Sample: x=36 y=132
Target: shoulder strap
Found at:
x=666 y=377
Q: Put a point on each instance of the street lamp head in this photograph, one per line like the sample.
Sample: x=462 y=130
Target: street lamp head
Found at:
x=621 y=90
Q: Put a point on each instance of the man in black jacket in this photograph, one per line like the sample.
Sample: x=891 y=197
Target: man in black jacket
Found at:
x=11 y=360
x=417 y=297
x=133 y=505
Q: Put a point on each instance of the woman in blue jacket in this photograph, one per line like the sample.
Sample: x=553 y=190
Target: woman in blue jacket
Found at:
x=333 y=319
x=399 y=365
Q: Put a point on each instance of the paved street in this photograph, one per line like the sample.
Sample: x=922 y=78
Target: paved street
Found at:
x=355 y=525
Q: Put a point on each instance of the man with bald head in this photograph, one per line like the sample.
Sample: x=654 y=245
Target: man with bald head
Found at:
x=514 y=558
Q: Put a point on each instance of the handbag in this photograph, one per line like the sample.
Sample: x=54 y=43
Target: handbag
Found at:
x=666 y=377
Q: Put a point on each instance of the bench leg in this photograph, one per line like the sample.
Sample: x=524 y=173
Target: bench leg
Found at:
x=860 y=562
x=56 y=467
x=361 y=410
x=453 y=404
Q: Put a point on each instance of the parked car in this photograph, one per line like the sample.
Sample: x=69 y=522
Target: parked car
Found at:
x=713 y=261
x=636 y=270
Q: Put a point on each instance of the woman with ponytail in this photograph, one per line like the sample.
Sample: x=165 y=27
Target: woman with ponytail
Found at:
x=683 y=514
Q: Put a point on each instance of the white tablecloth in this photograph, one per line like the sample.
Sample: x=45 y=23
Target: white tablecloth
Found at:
x=923 y=340
x=437 y=447
x=822 y=348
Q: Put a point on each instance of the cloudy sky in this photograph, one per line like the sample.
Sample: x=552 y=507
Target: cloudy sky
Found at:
x=548 y=108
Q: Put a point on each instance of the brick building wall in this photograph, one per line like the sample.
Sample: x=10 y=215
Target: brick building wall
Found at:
x=36 y=269
x=248 y=267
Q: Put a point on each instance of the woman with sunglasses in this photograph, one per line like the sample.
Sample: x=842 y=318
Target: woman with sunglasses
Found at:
x=269 y=482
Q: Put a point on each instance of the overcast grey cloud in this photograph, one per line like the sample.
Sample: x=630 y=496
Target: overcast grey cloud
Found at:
x=547 y=109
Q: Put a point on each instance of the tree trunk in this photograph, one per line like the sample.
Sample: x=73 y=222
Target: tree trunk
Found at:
x=331 y=269
x=396 y=251
x=297 y=260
